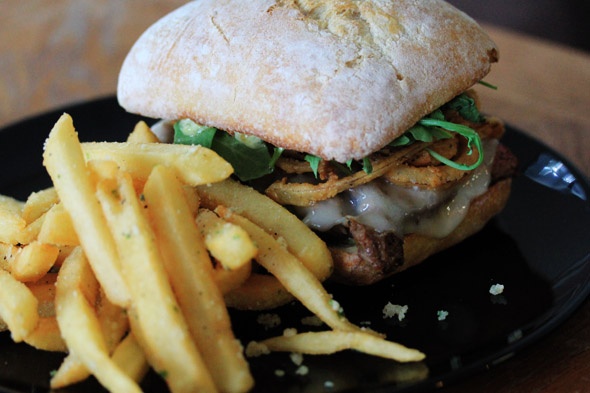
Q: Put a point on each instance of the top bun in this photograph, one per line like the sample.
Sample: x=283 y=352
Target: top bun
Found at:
x=335 y=78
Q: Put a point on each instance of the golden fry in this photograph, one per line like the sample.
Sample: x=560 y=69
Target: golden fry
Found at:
x=130 y=357
x=33 y=261
x=18 y=307
x=38 y=203
x=44 y=290
x=195 y=165
x=80 y=327
x=154 y=312
x=274 y=219
x=259 y=292
x=64 y=160
x=329 y=342
x=7 y=253
x=12 y=221
x=113 y=324
x=142 y=133
x=190 y=271
x=230 y=280
x=294 y=276
x=229 y=244
x=57 y=228
x=47 y=336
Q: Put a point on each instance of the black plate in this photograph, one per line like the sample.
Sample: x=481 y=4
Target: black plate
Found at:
x=538 y=248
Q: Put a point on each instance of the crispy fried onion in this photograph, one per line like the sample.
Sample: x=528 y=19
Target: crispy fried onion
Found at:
x=306 y=194
x=407 y=166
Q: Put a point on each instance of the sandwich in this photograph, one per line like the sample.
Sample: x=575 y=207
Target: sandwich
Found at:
x=360 y=117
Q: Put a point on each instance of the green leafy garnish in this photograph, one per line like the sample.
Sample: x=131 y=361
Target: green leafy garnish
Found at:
x=434 y=127
x=468 y=133
x=466 y=107
x=367 y=166
x=314 y=163
x=253 y=158
x=489 y=85
x=249 y=156
x=187 y=132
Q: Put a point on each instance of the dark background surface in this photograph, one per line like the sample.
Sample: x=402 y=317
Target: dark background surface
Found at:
x=566 y=22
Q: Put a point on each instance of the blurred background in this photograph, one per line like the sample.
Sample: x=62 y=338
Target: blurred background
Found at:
x=562 y=21
x=71 y=50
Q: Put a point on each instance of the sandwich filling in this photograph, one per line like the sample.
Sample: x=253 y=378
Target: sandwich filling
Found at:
x=422 y=183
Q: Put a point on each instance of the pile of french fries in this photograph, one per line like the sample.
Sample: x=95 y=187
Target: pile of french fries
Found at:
x=132 y=258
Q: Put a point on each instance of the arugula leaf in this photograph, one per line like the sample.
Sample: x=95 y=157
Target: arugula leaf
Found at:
x=249 y=156
x=466 y=107
x=489 y=85
x=421 y=133
x=187 y=132
x=434 y=127
x=314 y=163
x=367 y=166
x=470 y=134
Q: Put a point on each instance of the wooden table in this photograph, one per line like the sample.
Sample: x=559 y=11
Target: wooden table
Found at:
x=64 y=51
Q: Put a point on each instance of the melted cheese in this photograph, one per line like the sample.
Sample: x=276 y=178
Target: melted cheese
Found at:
x=388 y=207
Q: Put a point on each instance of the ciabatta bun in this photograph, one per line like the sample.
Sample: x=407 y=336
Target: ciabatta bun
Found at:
x=337 y=79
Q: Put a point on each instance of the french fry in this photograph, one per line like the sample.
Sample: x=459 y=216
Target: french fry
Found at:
x=70 y=371
x=64 y=160
x=11 y=218
x=31 y=232
x=130 y=357
x=14 y=228
x=44 y=290
x=229 y=280
x=38 y=203
x=113 y=321
x=195 y=165
x=190 y=271
x=47 y=336
x=229 y=244
x=113 y=324
x=57 y=228
x=259 y=292
x=154 y=312
x=294 y=276
x=192 y=198
x=329 y=342
x=33 y=261
x=80 y=327
x=7 y=253
x=142 y=133
x=18 y=307
x=274 y=219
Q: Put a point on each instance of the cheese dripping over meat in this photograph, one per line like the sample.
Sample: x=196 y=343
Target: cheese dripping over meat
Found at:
x=402 y=210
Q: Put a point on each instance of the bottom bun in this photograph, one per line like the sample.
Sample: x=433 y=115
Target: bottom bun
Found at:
x=352 y=268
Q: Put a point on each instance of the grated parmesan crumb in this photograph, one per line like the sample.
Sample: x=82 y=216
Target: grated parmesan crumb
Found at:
x=302 y=370
x=311 y=321
x=496 y=289
x=269 y=321
x=296 y=358
x=391 y=310
x=442 y=315
x=280 y=373
x=289 y=332
x=255 y=349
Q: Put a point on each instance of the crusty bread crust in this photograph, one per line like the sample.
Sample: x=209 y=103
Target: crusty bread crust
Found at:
x=338 y=79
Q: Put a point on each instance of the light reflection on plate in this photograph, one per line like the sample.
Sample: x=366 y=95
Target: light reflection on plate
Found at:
x=553 y=173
